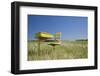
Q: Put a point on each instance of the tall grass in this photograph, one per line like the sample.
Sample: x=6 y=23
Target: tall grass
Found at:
x=67 y=50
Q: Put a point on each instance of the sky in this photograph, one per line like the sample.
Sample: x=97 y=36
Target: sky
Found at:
x=71 y=27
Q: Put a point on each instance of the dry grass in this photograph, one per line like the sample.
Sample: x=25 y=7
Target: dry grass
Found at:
x=67 y=50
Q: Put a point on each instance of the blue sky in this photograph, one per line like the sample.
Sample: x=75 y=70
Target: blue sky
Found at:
x=71 y=27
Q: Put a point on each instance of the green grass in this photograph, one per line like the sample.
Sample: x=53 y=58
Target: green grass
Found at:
x=67 y=50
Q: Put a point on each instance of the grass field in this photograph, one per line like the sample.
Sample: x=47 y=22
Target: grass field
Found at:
x=67 y=50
